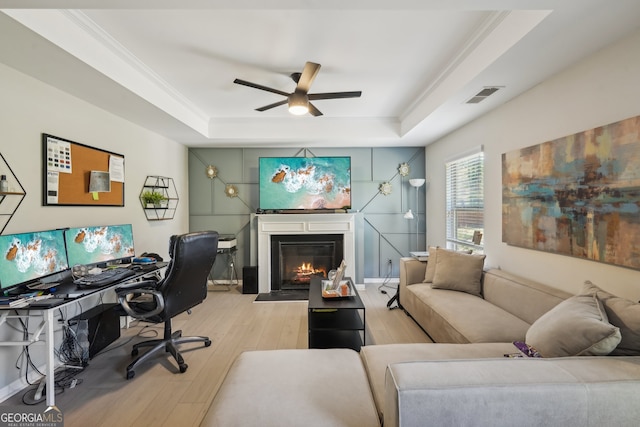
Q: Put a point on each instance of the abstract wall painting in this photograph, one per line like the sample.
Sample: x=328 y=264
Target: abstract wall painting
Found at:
x=578 y=195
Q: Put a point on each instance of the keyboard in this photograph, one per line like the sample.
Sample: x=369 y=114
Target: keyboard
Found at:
x=107 y=277
x=41 y=286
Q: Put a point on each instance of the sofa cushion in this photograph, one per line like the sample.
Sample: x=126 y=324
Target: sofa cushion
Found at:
x=295 y=387
x=431 y=265
x=458 y=272
x=622 y=313
x=376 y=358
x=577 y=326
x=580 y=392
x=521 y=297
x=459 y=317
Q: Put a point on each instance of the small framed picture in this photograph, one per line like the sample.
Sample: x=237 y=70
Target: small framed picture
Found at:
x=99 y=182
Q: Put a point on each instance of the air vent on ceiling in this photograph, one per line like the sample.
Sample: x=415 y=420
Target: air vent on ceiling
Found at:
x=483 y=94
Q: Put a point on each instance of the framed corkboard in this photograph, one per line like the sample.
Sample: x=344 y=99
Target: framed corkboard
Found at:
x=75 y=174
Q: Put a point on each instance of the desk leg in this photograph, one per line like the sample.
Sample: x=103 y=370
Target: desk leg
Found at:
x=50 y=374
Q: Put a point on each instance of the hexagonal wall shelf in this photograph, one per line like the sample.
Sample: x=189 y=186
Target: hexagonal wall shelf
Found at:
x=159 y=198
x=11 y=199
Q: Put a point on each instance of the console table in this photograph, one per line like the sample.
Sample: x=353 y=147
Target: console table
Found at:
x=335 y=323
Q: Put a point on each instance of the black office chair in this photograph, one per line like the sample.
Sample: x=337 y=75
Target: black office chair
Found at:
x=183 y=287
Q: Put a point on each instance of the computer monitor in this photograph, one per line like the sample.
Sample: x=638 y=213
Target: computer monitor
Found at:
x=28 y=257
x=99 y=244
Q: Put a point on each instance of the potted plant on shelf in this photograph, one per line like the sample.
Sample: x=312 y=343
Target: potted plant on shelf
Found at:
x=152 y=199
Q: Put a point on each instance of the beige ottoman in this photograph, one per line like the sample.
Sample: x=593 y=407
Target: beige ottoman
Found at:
x=314 y=387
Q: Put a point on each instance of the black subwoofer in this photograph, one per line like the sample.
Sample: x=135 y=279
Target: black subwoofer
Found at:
x=250 y=280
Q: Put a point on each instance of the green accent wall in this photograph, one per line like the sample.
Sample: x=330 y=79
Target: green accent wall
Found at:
x=382 y=232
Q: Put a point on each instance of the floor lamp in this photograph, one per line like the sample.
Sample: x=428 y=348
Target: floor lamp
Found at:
x=416 y=183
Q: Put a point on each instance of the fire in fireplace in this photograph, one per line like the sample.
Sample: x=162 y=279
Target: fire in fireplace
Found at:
x=297 y=258
x=304 y=272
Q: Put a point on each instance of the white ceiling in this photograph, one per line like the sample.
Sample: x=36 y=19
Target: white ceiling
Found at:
x=171 y=68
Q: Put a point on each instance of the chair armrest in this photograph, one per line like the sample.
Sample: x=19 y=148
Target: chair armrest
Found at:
x=145 y=287
x=127 y=288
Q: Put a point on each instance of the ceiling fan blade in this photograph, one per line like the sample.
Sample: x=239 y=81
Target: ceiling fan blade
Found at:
x=335 y=95
x=257 y=86
x=270 y=106
x=314 y=111
x=308 y=75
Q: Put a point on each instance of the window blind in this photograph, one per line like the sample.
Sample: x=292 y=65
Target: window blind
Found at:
x=465 y=202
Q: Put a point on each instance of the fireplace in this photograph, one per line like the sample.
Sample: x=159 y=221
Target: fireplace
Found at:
x=297 y=258
x=296 y=225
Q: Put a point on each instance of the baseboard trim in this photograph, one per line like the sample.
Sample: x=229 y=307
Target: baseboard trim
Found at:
x=20 y=384
x=225 y=282
x=381 y=280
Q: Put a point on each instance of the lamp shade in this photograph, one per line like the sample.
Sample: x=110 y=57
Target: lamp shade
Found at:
x=408 y=214
x=417 y=182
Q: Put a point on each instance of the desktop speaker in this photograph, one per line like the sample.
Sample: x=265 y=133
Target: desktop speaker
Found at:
x=249 y=280
x=95 y=329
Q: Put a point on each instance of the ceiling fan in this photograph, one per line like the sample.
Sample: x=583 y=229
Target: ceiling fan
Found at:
x=298 y=100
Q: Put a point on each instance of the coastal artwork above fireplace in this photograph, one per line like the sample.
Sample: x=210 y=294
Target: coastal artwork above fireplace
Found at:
x=578 y=195
x=305 y=183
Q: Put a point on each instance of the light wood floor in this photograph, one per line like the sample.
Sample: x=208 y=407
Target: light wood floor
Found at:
x=159 y=396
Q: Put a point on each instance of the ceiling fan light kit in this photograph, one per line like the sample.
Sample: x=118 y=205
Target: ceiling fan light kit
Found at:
x=298 y=100
x=298 y=104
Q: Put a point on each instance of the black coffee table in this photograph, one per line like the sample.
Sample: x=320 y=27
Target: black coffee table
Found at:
x=335 y=322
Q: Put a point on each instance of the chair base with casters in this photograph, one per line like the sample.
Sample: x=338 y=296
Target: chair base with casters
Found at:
x=169 y=344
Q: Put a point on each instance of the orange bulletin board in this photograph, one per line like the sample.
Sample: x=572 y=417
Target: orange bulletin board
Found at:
x=67 y=170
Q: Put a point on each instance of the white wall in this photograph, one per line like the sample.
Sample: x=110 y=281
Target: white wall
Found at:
x=29 y=108
x=597 y=91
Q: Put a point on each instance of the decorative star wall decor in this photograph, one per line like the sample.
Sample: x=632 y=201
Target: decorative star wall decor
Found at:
x=404 y=169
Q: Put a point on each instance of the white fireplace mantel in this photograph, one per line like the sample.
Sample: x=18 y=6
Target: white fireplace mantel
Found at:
x=292 y=224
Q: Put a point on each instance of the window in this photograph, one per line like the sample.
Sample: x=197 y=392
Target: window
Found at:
x=465 y=202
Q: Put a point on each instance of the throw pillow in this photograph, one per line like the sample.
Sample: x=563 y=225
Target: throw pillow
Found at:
x=431 y=265
x=622 y=313
x=457 y=271
x=577 y=326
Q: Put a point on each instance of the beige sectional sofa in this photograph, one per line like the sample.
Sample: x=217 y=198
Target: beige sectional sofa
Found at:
x=508 y=307
x=464 y=378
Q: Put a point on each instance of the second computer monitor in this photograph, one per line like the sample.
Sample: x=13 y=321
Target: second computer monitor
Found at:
x=99 y=244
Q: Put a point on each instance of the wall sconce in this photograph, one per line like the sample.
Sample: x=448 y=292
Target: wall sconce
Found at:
x=211 y=171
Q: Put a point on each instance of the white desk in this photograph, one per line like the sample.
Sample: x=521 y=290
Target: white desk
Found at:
x=47 y=323
x=44 y=334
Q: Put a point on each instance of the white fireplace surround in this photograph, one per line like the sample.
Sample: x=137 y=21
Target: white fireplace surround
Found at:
x=295 y=224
